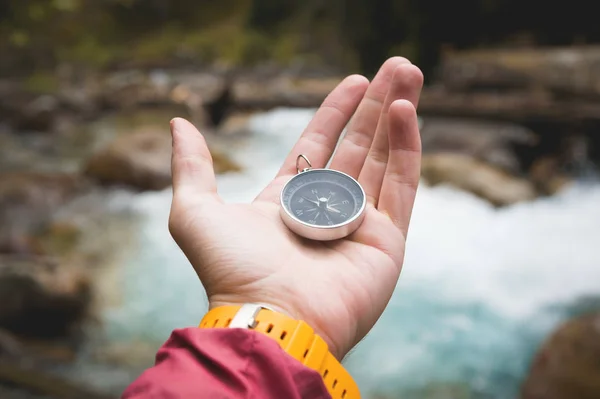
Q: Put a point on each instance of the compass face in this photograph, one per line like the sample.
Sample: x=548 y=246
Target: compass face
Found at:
x=323 y=198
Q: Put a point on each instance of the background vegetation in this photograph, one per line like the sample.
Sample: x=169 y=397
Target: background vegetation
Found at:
x=349 y=34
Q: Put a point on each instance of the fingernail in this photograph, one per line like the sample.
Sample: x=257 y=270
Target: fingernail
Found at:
x=173 y=124
x=177 y=127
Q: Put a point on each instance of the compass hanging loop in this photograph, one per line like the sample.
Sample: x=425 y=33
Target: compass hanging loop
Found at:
x=300 y=157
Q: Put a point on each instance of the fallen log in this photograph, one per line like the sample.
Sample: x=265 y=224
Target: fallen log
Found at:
x=569 y=71
x=516 y=106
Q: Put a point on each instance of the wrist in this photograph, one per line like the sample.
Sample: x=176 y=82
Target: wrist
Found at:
x=288 y=311
x=293 y=335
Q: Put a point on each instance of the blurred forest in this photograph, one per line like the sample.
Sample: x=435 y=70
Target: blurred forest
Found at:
x=37 y=35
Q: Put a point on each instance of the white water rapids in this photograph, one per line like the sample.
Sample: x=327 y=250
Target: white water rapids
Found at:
x=480 y=287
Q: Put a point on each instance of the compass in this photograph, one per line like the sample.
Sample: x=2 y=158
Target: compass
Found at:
x=322 y=204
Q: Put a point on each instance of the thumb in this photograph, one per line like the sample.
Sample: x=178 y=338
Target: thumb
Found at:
x=191 y=163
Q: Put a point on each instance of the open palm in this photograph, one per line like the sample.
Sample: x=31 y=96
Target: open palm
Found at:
x=244 y=252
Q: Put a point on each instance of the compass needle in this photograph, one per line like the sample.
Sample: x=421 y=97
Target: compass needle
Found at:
x=311 y=201
x=329 y=208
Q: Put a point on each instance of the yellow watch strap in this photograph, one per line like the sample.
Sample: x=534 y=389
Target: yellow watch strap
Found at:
x=295 y=337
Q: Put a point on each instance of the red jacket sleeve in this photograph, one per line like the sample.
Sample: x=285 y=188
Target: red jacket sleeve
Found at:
x=225 y=363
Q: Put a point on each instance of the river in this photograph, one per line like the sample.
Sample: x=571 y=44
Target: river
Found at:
x=480 y=287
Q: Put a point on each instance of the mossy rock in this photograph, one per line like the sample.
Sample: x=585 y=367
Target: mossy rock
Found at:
x=568 y=364
x=434 y=390
x=142 y=160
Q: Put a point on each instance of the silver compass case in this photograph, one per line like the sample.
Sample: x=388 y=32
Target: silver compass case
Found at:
x=322 y=204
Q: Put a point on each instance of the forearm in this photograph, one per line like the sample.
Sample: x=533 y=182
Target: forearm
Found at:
x=225 y=363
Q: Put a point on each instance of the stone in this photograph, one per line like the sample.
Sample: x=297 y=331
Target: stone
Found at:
x=192 y=91
x=567 y=366
x=29 y=109
x=41 y=298
x=560 y=70
x=236 y=124
x=142 y=160
x=483 y=180
x=514 y=106
x=491 y=142
x=27 y=202
x=432 y=390
x=282 y=91
x=24 y=110
x=33 y=379
x=547 y=175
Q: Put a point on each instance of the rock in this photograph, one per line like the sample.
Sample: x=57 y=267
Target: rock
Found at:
x=568 y=364
x=488 y=141
x=44 y=384
x=558 y=71
x=433 y=390
x=56 y=238
x=546 y=174
x=236 y=124
x=40 y=298
x=222 y=163
x=515 y=106
x=25 y=111
x=27 y=202
x=10 y=392
x=39 y=114
x=472 y=175
x=282 y=91
x=142 y=160
x=193 y=91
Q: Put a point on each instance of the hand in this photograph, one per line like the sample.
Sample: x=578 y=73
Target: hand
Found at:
x=244 y=253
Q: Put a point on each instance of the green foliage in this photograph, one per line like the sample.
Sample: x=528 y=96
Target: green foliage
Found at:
x=38 y=34
x=98 y=34
x=41 y=82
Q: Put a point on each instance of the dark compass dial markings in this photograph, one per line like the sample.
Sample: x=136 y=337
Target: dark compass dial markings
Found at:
x=323 y=197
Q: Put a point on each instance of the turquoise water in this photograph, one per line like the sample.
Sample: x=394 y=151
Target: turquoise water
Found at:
x=480 y=287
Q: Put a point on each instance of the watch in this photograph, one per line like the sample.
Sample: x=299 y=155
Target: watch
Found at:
x=295 y=337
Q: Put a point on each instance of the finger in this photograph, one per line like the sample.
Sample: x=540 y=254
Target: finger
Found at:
x=402 y=174
x=321 y=135
x=353 y=149
x=406 y=84
x=191 y=163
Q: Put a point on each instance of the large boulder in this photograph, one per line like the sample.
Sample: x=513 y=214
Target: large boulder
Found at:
x=44 y=103
x=568 y=365
x=469 y=174
x=492 y=142
x=142 y=159
x=281 y=91
x=41 y=298
x=570 y=71
x=27 y=202
x=236 y=124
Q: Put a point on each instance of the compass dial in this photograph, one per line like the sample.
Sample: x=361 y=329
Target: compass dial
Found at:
x=323 y=198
